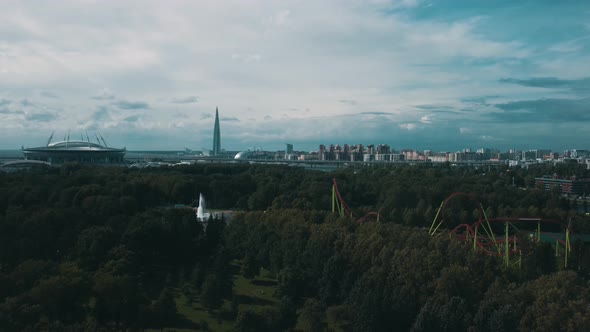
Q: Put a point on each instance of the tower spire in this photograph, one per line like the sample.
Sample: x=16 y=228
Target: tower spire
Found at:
x=216 y=134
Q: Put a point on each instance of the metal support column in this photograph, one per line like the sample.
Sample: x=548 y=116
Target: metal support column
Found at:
x=506 y=246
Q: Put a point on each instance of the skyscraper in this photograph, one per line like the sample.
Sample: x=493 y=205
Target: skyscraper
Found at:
x=216 y=135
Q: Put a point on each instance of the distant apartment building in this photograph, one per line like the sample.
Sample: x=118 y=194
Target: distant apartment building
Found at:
x=310 y=156
x=579 y=154
x=551 y=156
x=488 y=153
x=542 y=153
x=573 y=185
x=465 y=155
x=412 y=155
x=322 y=152
x=383 y=149
x=536 y=154
x=439 y=158
x=383 y=157
x=529 y=155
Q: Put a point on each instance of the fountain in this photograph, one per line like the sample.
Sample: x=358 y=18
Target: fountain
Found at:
x=201 y=214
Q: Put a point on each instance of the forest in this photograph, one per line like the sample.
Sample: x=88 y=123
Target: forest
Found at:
x=118 y=249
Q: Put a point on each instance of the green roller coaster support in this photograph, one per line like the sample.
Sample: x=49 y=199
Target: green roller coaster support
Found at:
x=488 y=230
x=556 y=248
x=538 y=231
x=506 y=246
x=333 y=199
x=514 y=242
x=431 y=231
x=567 y=244
x=475 y=239
x=337 y=206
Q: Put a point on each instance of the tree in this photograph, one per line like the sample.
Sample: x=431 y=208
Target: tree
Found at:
x=197 y=277
x=118 y=300
x=540 y=261
x=62 y=296
x=287 y=313
x=313 y=315
x=248 y=321
x=561 y=302
x=93 y=245
x=289 y=282
x=164 y=309
x=249 y=267
x=211 y=293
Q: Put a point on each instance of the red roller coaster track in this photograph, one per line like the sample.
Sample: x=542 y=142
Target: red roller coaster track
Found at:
x=339 y=206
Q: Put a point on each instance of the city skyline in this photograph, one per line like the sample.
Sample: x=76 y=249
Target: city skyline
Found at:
x=442 y=75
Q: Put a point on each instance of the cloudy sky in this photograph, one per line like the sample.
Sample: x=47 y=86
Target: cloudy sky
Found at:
x=441 y=75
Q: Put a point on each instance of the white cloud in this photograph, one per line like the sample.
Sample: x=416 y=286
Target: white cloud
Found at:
x=427 y=118
x=408 y=126
x=464 y=130
x=281 y=17
x=487 y=138
x=255 y=60
x=569 y=46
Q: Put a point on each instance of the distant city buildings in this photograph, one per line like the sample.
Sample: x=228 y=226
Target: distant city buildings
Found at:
x=384 y=153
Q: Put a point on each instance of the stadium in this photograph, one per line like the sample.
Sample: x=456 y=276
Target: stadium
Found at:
x=75 y=151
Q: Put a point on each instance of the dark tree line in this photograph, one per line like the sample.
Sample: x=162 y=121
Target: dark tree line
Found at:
x=384 y=277
x=85 y=248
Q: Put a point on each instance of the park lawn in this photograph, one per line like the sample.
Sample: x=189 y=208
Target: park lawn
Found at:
x=333 y=321
x=194 y=314
x=254 y=294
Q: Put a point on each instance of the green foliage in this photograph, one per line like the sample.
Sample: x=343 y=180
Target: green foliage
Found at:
x=163 y=310
x=85 y=248
x=211 y=293
x=249 y=267
x=248 y=321
x=313 y=315
x=287 y=313
x=560 y=302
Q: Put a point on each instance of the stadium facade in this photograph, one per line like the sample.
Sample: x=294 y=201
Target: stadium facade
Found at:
x=75 y=151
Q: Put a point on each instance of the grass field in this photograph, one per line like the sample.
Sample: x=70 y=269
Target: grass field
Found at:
x=254 y=295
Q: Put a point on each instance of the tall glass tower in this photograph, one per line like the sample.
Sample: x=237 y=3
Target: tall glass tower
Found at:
x=216 y=135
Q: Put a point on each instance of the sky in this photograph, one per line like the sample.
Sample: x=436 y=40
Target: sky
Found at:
x=439 y=75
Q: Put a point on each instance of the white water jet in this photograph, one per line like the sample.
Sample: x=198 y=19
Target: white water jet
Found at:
x=201 y=214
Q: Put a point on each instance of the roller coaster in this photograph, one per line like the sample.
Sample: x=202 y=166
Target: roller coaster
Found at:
x=339 y=206
x=502 y=237
x=511 y=232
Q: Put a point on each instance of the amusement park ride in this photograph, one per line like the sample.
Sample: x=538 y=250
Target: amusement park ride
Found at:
x=340 y=206
x=501 y=237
